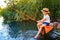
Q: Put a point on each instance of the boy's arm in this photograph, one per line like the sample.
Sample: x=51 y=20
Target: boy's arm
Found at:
x=42 y=20
x=38 y=20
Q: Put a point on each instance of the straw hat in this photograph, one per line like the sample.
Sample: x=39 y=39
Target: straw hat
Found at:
x=45 y=9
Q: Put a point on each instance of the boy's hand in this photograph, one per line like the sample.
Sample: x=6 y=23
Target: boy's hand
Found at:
x=37 y=21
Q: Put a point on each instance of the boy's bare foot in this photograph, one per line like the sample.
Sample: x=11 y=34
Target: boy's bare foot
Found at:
x=33 y=39
x=36 y=36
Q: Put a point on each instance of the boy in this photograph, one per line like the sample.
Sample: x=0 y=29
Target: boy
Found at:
x=43 y=22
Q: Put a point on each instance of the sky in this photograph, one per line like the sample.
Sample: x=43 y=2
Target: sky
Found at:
x=2 y=4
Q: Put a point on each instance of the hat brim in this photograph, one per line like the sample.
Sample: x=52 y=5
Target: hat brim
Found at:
x=41 y=10
x=47 y=11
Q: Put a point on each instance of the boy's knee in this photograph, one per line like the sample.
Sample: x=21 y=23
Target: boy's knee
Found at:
x=39 y=24
x=42 y=26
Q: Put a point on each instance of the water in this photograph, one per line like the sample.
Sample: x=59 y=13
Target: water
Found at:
x=27 y=35
x=8 y=33
x=5 y=31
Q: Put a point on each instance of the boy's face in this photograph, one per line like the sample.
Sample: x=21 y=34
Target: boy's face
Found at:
x=45 y=12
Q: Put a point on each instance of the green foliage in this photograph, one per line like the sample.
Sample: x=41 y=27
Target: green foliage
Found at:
x=7 y=15
x=58 y=14
x=22 y=10
x=19 y=10
x=54 y=6
x=29 y=7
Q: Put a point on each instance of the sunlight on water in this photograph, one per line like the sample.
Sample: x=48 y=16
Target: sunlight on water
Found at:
x=1 y=21
x=3 y=4
x=4 y=31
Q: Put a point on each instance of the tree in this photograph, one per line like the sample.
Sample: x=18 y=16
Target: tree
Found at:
x=19 y=10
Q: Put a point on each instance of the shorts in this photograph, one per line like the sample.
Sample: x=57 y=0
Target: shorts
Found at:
x=47 y=24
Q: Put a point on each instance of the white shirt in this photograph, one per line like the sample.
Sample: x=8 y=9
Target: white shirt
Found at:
x=47 y=18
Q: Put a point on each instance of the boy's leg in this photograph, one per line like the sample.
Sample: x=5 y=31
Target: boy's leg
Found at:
x=37 y=35
x=38 y=25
